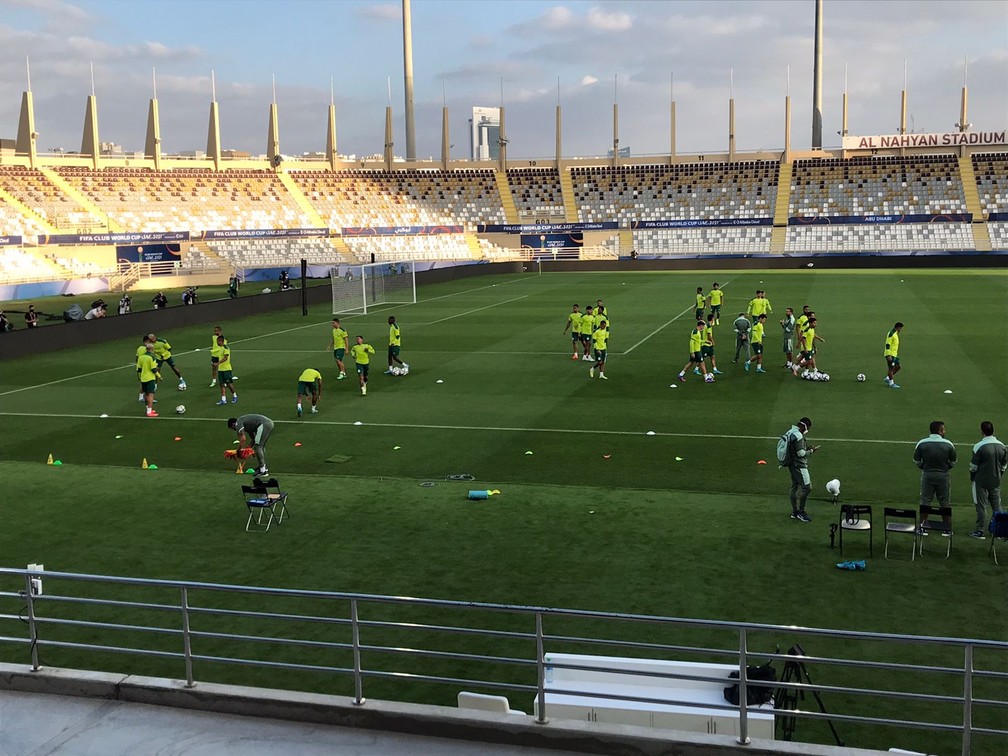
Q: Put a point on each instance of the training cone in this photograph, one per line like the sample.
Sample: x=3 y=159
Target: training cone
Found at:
x=250 y=471
x=240 y=470
x=58 y=462
x=144 y=464
x=761 y=462
x=152 y=467
x=50 y=460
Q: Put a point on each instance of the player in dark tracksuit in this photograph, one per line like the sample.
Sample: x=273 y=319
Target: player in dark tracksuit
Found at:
x=936 y=456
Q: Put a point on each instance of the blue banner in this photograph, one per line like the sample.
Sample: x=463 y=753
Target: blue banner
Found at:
x=990 y=217
x=707 y=223
x=115 y=238
x=844 y=220
x=10 y=241
x=149 y=253
x=545 y=228
x=264 y=233
x=350 y=231
x=551 y=241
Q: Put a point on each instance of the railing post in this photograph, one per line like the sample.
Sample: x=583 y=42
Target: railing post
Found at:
x=355 y=633
x=743 y=694
x=32 y=626
x=967 y=701
x=187 y=639
x=540 y=672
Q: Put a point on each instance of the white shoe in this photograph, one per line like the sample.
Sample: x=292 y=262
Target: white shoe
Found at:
x=602 y=376
x=591 y=372
x=213 y=383
x=141 y=398
x=182 y=386
x=363 y=390
x=314 y=410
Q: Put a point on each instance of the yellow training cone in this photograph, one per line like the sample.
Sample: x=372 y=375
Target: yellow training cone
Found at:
x=50 y=460
x=144 y=464
x=240 y=470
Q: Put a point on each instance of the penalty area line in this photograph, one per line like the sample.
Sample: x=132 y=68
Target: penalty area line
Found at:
x=477 y=428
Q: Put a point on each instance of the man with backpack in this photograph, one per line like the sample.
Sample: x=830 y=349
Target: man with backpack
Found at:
x=793 y=453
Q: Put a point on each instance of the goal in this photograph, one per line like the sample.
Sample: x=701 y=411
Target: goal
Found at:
x=363 y=287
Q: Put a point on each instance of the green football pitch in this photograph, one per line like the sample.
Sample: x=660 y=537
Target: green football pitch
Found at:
x=624 y=495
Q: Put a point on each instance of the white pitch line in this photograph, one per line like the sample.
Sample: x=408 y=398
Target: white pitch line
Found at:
x=660 y=328
x=490 y=428
x=470 y=312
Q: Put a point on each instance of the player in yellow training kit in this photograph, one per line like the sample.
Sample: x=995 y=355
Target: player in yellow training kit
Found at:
x=361 y=353
x=339 y=345
x=224 y=375
x=600 y=340
x=696 y=353
x=891 y=354
x=574 y=324
x=716 y=299
x=310 y=385
x=758 y=330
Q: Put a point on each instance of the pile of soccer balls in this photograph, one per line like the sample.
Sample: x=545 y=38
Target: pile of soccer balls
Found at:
x=814 y=375
x=404 y=370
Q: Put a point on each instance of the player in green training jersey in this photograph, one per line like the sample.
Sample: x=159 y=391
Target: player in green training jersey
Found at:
x=891 y=354
x=147 y=373
x=361 y=353
x=394 y=345
x=574 y=324
x=310 y=385
x=224 y=372
x=162 y=352
x=701 y=304
x=214 y=355
x=716 y=299
x=600 y=341
x=140 y=352
x=757 y=343
x=587 y=329
x=696 y=353
x=340 y=344
x=707 y=346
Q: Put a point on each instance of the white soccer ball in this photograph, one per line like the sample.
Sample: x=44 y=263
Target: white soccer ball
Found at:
x=806 y=374
x=180 y=409
x=396 y=371
x=833 y=487
x=404 y=370
x=709 y=378
x=861 y=377
x=825 y=376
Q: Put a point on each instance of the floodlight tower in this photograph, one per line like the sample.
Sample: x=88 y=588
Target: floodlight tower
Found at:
x=817 y=79
x=408 y=77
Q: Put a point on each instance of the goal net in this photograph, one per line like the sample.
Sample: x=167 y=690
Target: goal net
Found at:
x=363 y=287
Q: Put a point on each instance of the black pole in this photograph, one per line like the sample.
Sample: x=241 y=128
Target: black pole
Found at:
x=304 y=289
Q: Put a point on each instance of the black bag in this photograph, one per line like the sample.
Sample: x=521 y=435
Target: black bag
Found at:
x=756 y=694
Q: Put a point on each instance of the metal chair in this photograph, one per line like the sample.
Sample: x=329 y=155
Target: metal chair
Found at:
x=856 y=517
x=998 y=528
x=279 y=497
x=910 y=527
x=259 y=505
x=926 y=526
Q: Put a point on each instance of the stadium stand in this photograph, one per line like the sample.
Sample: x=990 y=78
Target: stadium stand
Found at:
x=20 y=266
x=701 y=191
x=193 y=199
x=714 y=240
x=536 y=192
x=36 y=192
x=919 y=184
x=992 y=182
x=267 y=253
x=905 y=237
x=420 y=248
x=360 y=199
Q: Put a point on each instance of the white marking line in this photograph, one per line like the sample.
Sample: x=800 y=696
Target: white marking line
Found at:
x=470 y=312
x=660 y=328
x=251 y=338
x=491 y=428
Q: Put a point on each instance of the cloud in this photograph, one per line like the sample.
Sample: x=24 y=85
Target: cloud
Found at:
x=381 y=12
x=53 y=8
x=599 y=20
x=588 y=80
x=558 y=17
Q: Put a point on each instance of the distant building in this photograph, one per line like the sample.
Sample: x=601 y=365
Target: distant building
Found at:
x=235 y=154
x=484 y=137
x=110 y=148
x=623 y=152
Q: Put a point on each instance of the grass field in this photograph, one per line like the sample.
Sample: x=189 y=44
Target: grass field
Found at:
x=600 y=516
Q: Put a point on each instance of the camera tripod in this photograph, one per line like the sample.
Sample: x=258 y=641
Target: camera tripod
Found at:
x=787 y=698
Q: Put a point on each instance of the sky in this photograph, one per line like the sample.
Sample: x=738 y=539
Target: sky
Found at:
x=528 y=54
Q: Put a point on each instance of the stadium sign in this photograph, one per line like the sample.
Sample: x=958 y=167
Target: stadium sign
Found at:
x=948 y=139
x=264 y=233
x=545 y=228
x=9 y=241
x=115 y=238
x=702 y=223
x=842 y=220
x=401 y=230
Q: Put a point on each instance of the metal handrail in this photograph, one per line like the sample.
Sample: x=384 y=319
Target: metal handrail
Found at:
x=397 y=658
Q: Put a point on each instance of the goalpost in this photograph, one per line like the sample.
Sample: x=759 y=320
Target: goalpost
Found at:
x=365 y=286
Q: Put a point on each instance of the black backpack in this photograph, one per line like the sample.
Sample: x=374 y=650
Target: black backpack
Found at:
x=756 y=694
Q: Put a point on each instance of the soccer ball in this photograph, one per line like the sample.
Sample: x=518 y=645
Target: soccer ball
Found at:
x=180 y=409
x=833 y=487
x=404 y=370
x=397 y=371
x=861 y=377
x=825 y=376
x=709 y=378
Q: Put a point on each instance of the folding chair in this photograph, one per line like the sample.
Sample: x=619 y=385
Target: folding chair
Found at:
x=998 y=528
x=276 y=495
x=259 y=505
x=943 y=527
x=909 y=527
x=851 y=518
